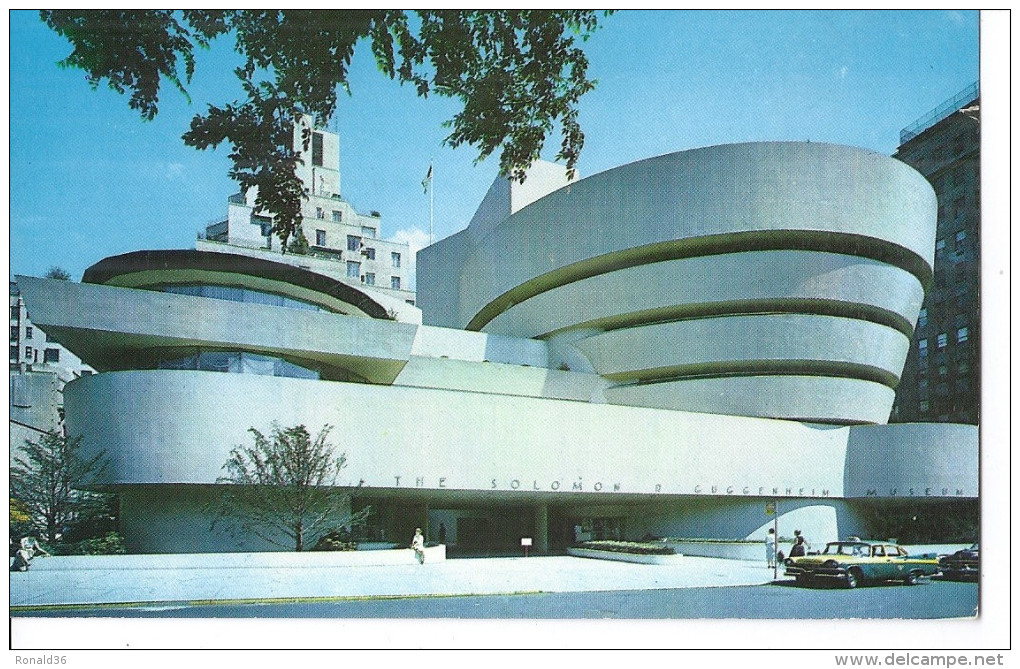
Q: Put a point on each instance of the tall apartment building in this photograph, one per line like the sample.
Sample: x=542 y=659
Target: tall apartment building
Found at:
x=342 y=243
x=941 y=379
x=39 y=369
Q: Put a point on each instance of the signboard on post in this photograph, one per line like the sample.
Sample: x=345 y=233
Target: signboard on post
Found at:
x=526 y=542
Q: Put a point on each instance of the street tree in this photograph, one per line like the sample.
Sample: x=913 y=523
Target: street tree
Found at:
x=518 y=74
x=283 y=488
x=45 y=481
x=59 y=273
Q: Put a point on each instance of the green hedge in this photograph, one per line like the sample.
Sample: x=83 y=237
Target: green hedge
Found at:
x=632 y=547
x=336 y=540
x=108 y=544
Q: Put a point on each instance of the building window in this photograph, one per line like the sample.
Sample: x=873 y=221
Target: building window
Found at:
x=337 y=216
x=922 y=348
x=353 y=243
x=367 y=231
x=962 y=334
x=963 y=367
x=960 y=235
x=395 y=282
x=941 y=340
x=320 y=237
x=319 y=213
x=235 y=294
x=922 y=318
x=14 y=352
x=370 y=278
x=940 y=244
x=240 y=363
x=14 y=333
x=51 y=355
x=395 y=257
x=316 y=148
x=353 y=269
x=15 y=313
x=28 y=333
x=369 y=253
x=923 y=406
x=28 y=353
x=943 y=370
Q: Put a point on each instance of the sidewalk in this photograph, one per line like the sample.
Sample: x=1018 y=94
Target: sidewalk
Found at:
x=125 y=580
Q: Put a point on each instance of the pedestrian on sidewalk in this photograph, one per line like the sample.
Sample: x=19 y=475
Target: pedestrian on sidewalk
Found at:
x=27 y=550
x=418 y=545
x=770 y=549
x=799 y=548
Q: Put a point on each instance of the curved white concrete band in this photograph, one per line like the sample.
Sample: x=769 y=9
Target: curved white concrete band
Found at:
x=735 y=344
x=813 y=399
x=798 y=280
x=177 y=427
x=704 y=193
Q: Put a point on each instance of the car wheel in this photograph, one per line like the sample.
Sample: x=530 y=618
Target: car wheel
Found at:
x=912 y=578
x=853 y=578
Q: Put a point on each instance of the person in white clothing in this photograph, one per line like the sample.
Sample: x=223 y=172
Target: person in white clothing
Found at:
x=28 y=547
x=418 y=544
x=770 y=548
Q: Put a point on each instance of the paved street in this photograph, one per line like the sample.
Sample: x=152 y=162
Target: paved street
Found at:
x=930 y=599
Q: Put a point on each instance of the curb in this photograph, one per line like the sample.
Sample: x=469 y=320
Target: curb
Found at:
x=28 y=608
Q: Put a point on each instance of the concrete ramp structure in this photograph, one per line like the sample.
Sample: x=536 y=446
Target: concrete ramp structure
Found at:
x=661 y=349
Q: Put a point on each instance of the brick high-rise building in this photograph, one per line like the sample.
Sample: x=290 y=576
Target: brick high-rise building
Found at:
x=941 y=380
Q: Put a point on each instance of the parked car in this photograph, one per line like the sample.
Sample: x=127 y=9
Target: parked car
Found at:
x=854 y=561
x=963 y=564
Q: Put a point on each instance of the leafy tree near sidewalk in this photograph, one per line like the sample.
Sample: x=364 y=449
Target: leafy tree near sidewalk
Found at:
x=59 y=273
x=44 y=479
x=283 y=487
x=519 y=75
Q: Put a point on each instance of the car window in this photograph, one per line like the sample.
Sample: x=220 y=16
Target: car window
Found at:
x=878 y=551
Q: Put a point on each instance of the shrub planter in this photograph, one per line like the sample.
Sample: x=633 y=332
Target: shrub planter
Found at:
x=673 y=559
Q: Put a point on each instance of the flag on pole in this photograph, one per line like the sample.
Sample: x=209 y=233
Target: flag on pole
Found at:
x=427 y=181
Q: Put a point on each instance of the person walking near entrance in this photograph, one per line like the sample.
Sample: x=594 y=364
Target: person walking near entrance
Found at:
x=418 y=545
x=770 y=549
x=799 y=548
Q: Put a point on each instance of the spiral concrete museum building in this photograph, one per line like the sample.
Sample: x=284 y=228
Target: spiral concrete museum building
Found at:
x=659 y=349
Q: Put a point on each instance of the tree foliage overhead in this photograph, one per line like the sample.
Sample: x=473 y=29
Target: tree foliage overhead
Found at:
x=44 y=480
x=519 y=75
x=285 y=485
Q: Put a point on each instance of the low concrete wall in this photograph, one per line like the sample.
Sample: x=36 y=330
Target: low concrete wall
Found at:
x=729 y=551
x=294 y=560
x=626 y=557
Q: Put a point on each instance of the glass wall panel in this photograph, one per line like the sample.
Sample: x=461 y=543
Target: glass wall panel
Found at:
x=235 y=294
x=234 y=362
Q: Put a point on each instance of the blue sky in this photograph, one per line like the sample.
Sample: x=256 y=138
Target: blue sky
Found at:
x=89 y=179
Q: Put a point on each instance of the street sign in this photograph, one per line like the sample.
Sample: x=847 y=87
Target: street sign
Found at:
x=770 y=508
